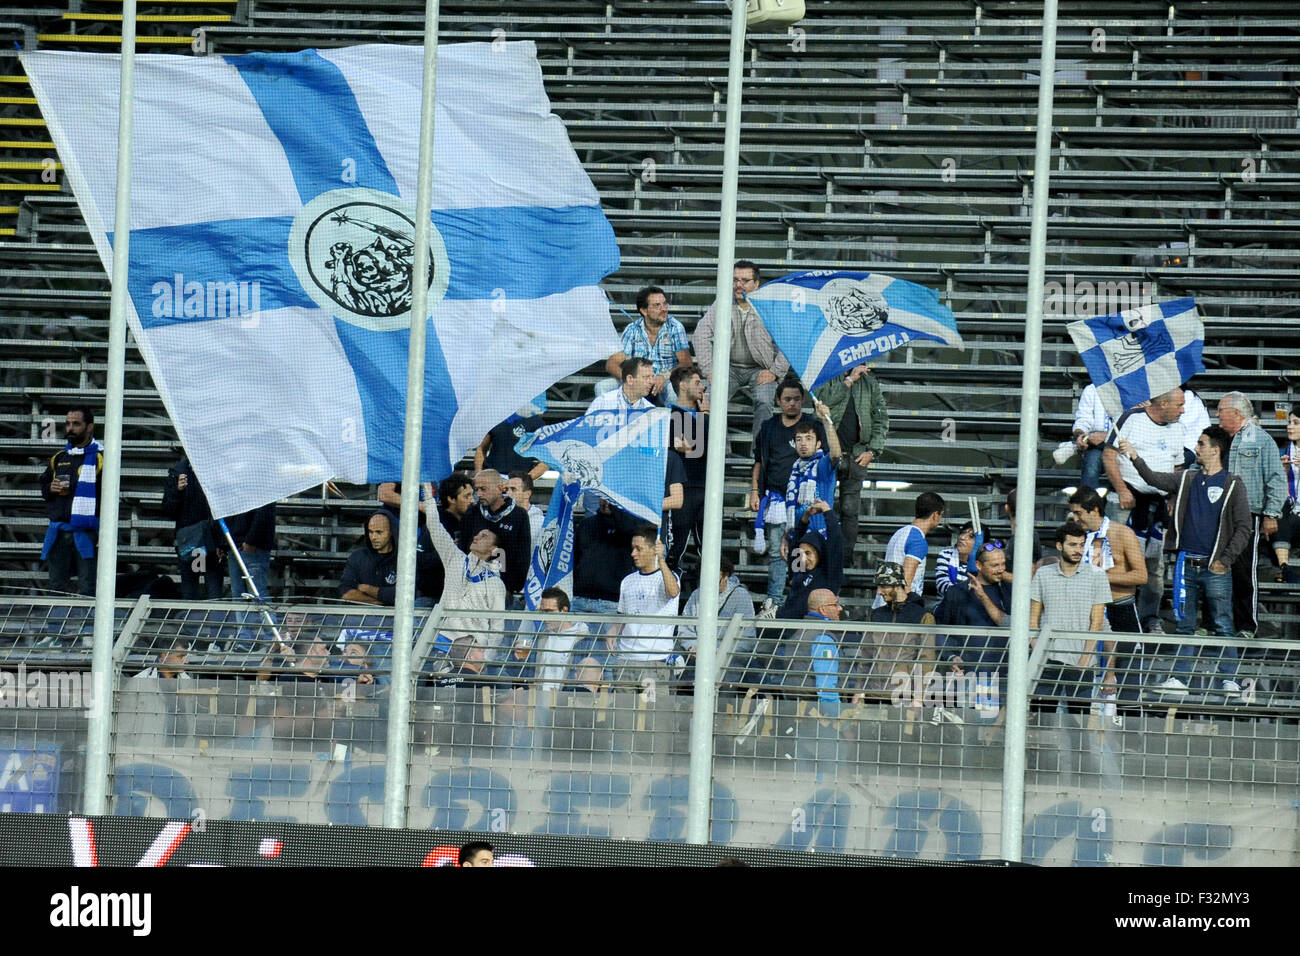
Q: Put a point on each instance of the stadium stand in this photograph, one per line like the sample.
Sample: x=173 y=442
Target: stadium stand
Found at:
x=885 y=140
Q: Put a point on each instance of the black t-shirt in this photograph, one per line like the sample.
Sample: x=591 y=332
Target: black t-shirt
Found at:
x=501 y=452
x=775 y=452
x=694 y=428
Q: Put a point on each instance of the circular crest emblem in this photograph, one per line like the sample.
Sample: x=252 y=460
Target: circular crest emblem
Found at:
x=857 y=312
x=352 y=250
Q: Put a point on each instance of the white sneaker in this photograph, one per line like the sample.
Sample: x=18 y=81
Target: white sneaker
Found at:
x=1173 y=687
x=768 y=611
x=1064 y=452
x=1231 y=689
x=942 y=713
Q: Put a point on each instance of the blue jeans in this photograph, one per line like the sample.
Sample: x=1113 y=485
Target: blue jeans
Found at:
x=1091 y=468
x=1217 y=591
x=259 y=569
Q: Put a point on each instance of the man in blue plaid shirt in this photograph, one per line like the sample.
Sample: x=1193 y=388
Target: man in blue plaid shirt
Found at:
x=658 y=337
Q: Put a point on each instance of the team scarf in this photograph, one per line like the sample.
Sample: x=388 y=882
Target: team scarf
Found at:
x=801 y=490
x=771 y=510
x=1180 y=586
x=1292 y=473
x=1107 y=558
x=84 y=517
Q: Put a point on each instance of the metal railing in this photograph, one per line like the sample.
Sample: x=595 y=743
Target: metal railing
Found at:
x=826 y=736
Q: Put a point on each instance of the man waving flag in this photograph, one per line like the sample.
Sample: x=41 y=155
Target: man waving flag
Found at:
x=272 y=233
x=1135 y=355
x=827 y=322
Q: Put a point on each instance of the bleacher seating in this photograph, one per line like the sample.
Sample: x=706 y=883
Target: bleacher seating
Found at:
x=888 y=136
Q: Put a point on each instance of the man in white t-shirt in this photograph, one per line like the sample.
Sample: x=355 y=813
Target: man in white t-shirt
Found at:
x=641 y=649
x=1157 y=432
x=908 y=548
x=552 y=647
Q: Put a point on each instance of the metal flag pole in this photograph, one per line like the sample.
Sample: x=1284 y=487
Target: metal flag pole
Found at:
x=706 y=672
x=252 y=585
x=399 y=699
x=99 y=732
x=1013 y=757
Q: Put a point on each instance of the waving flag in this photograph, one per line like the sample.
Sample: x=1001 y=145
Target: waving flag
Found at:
x=552 y=562
x=827 y=322
x=272 y=231
x=621 y=456
x=1137 y=354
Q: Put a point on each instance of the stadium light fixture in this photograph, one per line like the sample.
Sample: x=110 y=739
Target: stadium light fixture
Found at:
x=773 y=11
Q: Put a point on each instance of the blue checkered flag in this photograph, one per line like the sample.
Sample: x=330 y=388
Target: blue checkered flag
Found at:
x=1134 y=355
x=827 y=322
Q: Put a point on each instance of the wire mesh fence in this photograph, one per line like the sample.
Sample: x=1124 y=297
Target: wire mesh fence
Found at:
x=826 y=736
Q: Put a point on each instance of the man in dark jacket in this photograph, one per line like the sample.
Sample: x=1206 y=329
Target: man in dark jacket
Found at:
x=498 y=513
x=602 y=558
x=1211 y=526
x=816 y=562
x=890 y=653
x=185 y=503
x=982 y=600
x=370 y=576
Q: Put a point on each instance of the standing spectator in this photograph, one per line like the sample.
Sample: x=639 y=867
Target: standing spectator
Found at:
x=813 y=473
x=652 y=589
x=1036 y=547
x=602 y=558
x=674 y=500
x=1288 y=527
x=857 y=407
x=689 y=437
x=497 y=450
x=1114 y=549
x=519 y=487
x=1158 y=436
x=817 y=561
x=254 y=535
x=1254 y=458
x=1211 y=526
x=981 y=600
x=472 y=586
x=1070 y=595
x=70 y=487
x=950 y=568
x=1091 y=426
x=455 y=498
x=507 y=521
x=908 y=547
x=774 y=455
x=756 y=363
x=185 y=503
x=552 y=647
x=656 y=336
x=1194 y=419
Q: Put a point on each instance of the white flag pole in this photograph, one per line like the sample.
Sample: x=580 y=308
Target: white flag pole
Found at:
x=399 y=700
x=100 y=724
x=1013 y=756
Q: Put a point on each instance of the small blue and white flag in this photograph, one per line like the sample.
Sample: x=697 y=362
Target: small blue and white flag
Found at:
x=621 y=456
x=272 y=232
x=1137 y=354
x=827 y=322
x=552 y=562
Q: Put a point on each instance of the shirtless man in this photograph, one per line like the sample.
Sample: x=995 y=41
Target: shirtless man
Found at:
x=1115 y=549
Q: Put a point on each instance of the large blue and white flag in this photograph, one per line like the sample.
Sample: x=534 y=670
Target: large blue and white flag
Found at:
x=552 y=561
x=827 y=322
x=272 y=231
x=1137 y=354
x=618 y=455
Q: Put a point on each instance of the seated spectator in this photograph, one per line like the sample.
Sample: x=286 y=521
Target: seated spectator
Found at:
x=817 y=561
x=757 y=365
x=643 y=648
x=370 y=576
x=951 y=566
x=635 y=377
x=734 y=598
x=171 y=662
x=821 y=649
x=656 y=336
x=886 y=654
x=1088 y=435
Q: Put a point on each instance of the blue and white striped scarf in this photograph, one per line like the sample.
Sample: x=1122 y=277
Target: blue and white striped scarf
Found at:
x=84 y=517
